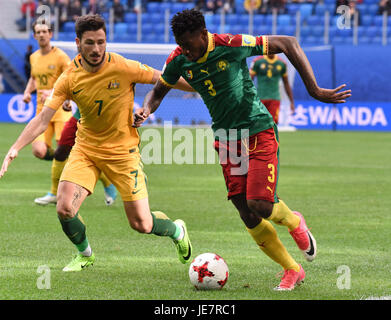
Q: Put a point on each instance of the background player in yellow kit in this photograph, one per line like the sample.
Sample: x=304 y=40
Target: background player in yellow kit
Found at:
x=102 y=85
x=47 y=63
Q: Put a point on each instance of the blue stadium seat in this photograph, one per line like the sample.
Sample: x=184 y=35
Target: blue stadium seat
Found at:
x=121 y=28
x=373 y=31
x=153 y=7
x=130 y=17
x=315 y=20
x=269 y=19
x=337 y=40
x=164 y=6
x=317 y=31
x=156 y=17
x=159 y=28
x=347 y=32
x=364 y=40
x=362 y=8
x=259 y=19
x=132 y=28
x=243 y=19
x=361 y=31
x=231 y=19
x=372 y=9
x=305 y=31
x=330 y=7
x=292 y=8
x=147 y=28
x=239 y=6
x=333 y=31
x=320 y=9
x=378 y=20
x=329 y=1
x=66 y=36
x=69 y=26
x=286 y=30
x=283 y=20
x=262 y=29
x=377 y=40
x=305 y=11
x=149 y=38
x=366 y=20
x=216 y=19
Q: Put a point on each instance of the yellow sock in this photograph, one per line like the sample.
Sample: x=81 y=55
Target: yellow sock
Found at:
x=106 y=182
x=57 y=167
x=282 y=215
x=266 y=238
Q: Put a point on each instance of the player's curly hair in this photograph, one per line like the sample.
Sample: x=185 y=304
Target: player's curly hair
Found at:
x=89 y=22
x=187 y=20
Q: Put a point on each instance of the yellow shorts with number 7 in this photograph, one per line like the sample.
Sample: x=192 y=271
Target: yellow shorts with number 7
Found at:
x=124 y=171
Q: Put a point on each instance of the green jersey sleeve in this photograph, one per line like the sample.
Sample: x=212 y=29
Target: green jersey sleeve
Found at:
x=171 y=72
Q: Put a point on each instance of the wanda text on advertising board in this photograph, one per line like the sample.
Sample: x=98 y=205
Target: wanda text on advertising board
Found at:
x=364 y=116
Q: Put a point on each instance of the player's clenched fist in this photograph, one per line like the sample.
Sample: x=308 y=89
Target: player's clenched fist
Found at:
x=140 y=116
x=11 y=155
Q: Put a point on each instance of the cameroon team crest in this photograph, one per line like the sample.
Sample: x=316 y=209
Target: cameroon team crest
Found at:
x=189 y=74
x=222 y=65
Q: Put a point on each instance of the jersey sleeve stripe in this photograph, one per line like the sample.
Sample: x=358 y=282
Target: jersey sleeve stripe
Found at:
x=265 y=46
x=165 y=82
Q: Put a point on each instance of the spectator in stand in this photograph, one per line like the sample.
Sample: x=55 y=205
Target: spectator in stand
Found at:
x=27 y=65
x=252 y=5
x=119 y=11
x=93 y=7
x=64 y=7
x=278 y=5
x=138 y=5
x=2 y=87
x=354 y=11
x=213 y=6
x=385 y=6
x=74 y=10
x=27 y=6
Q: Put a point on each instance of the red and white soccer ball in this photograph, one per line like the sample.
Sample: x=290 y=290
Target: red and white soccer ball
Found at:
x=208 y=271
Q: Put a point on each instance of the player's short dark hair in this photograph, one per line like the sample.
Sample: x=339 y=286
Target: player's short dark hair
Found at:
x=41 y=22
x=187 y=20
x=89 y=22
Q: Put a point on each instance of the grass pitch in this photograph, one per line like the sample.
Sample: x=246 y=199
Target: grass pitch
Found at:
x=340 y=181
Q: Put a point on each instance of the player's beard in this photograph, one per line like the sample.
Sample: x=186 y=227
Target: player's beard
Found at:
x=89 y=62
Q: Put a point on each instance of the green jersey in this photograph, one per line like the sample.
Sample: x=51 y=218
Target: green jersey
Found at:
x=223 y=80
x=268 y=73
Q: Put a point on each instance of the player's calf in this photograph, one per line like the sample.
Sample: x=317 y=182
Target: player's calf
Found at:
x=260 y=207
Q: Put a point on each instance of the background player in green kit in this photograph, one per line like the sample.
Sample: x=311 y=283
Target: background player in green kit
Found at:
x=215 y=66
x=268 y=71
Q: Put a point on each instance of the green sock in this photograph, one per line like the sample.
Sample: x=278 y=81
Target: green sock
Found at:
x=163 y=226
x=49 y=154
x=75 y=230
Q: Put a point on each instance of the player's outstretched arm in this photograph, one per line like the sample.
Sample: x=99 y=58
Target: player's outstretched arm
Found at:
x=34 y=128
x=291 y=48
x=151 y=102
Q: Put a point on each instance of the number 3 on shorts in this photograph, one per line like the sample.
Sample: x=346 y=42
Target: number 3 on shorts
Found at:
x=272 y=173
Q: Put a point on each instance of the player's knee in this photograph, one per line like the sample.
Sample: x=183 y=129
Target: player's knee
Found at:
x=260 y=207
x=64 y=211
x=39 y=152
x=140 y=226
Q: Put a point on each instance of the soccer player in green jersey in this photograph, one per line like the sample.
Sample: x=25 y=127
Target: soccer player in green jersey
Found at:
x=269 y=70
x=215 y=66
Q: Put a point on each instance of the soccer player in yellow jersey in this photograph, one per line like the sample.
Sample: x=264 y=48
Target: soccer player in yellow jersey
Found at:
x=102 y=85
x=47 y=63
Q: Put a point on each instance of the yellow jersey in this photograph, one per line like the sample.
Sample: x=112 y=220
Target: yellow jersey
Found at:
x=105 y=101
x=45 y=70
